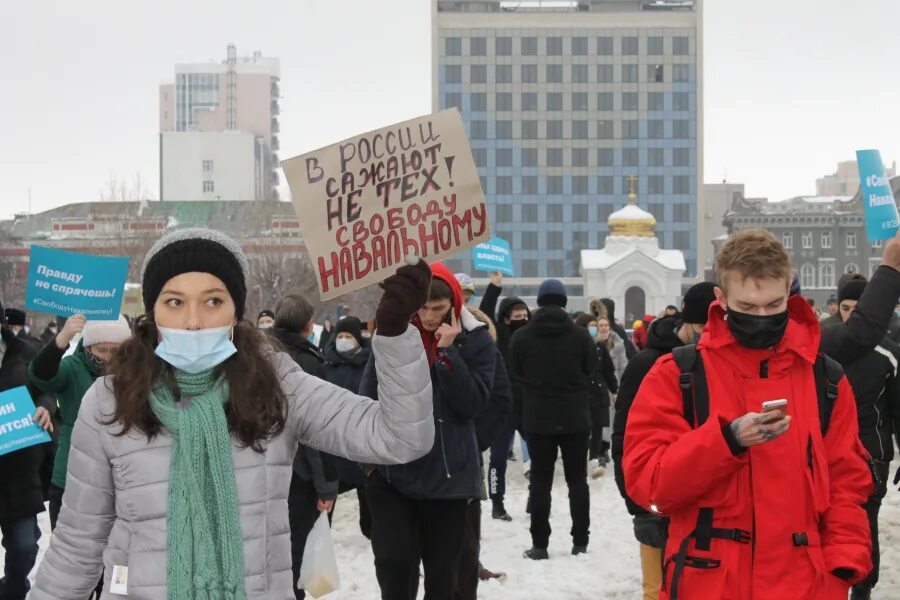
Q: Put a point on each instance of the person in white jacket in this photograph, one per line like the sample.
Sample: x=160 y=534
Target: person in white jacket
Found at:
x=181 y=459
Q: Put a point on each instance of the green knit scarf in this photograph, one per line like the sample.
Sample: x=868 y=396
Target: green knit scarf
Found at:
x=205 y=544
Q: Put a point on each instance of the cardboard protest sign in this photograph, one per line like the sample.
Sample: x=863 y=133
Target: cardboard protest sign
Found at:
x=366 y=203
x=68 y=283
x=493 y=256
x=17 y=428
x=877 y=197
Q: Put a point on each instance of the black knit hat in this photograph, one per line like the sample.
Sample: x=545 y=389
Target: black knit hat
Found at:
x=350 y=325
x=14 y=316
x=200 y=251
x=552 y=292
x=695 y=306
x=852 y=290
x=265 y=313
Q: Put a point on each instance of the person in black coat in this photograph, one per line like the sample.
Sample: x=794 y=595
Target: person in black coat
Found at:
x=314 y=485
x=419 y=509
x=602 y=383
x=22 y=488
x=553 y=360
x=345 y=361
x=664 y=335
x=873 y=375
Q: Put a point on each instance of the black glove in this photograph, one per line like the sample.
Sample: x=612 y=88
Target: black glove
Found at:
x=651 y=530
x=842 y=573
x=404 y=294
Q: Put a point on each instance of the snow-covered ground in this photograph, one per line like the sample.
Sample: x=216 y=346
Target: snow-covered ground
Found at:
x=610 y=570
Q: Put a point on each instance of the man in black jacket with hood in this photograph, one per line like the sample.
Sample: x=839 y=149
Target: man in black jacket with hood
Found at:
x=21 y=490
x=553 y=359
x=664 y=335
x=873 y=375
x=314 y=485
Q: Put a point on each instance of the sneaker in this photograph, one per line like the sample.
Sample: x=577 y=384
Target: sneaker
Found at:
x=604 y=459
x=526 y=469
x=499 y=513
x=595 y=469
x=536 y=554
x=576 y=550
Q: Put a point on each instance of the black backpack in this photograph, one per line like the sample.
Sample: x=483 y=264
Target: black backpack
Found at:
x=695 y=394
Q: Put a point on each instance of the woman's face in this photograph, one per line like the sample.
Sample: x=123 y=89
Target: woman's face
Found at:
x=603 y=326
x=194 y=301
x=104 y=350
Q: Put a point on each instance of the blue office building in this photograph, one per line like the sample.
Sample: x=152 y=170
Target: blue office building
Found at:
x=563 y=101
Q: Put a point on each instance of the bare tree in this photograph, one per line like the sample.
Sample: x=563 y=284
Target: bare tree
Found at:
x=121 y=190
x=12 y=285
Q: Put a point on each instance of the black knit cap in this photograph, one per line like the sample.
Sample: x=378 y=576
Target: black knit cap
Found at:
x=196 y=251
x=852 y=290
x=695 y=306
x=14 y=316
x=350 y=325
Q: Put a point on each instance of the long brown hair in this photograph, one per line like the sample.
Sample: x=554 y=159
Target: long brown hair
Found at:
x=256 y=408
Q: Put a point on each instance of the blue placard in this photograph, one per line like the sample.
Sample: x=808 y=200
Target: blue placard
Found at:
x=68 y=283
x=17 y=427
x=877 y=197
x=493 y=256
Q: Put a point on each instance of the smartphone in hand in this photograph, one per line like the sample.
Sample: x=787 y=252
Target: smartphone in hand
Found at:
x=774 y=410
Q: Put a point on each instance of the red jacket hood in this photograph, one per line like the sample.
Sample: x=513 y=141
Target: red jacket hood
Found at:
x=801 y=338
x=439 y=271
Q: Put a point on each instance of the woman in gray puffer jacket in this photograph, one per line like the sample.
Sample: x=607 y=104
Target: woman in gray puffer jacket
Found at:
x=180 y=461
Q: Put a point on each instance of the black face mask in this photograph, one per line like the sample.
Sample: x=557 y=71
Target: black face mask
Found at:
x=517 y=324
x=757 y=332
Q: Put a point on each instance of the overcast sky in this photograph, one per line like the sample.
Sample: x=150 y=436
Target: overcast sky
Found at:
x=791 y=86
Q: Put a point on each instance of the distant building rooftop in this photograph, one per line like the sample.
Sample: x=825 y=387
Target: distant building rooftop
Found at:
x=512 y=6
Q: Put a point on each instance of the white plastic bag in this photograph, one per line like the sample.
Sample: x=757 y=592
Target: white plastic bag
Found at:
x=319 y=571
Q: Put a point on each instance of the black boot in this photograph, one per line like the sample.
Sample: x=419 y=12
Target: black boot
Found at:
x=861 y=592
x=576 y=550
x=536 y=554
x=499 y=513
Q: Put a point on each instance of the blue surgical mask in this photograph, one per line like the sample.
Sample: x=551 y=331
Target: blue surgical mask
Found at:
x=195 y=351
x=592 y=331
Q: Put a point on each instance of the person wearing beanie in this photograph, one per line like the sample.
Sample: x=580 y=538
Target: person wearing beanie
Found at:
x=22 y=487
x=872 y=373
x=345 y=361
x=553 y=360
x=265 y=319
x=427 y=500
x=467 y=286
x=184 y=452
x=663 y=336
x=70 y=377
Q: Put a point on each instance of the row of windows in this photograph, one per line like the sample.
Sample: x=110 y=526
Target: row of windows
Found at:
x=580 y=157
x=581 y=212
x=580 y=185
x=577 y=101
x=787 y=239
x=575 y=46
x=655 y=73
x=826 y=274
x=582 y=129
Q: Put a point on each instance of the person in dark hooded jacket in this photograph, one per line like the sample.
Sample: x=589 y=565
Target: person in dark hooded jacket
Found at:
x=419 y=510
x=873 y=375
x=664 y=335
x=314 y=485
x=553 y=360
x=345 y=361
x=21 y=488
x=512 y=316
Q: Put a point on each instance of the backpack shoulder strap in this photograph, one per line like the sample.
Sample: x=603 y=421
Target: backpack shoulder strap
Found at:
x=828 y=374
x=692 y=381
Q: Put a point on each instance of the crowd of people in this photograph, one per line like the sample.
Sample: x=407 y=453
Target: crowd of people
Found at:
x=194 y=450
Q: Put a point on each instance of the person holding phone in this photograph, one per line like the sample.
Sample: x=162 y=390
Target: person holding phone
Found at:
x=419 y=509
x=763 y=504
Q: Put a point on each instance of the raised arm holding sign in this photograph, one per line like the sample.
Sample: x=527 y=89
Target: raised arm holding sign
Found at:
x=366 y=203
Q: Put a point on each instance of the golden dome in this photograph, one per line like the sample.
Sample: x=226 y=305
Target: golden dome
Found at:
x=632 y=221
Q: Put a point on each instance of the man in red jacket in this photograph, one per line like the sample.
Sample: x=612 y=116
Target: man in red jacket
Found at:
x=763 y=506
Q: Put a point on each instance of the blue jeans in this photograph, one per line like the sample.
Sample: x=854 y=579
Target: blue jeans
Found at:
x=20 y=540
